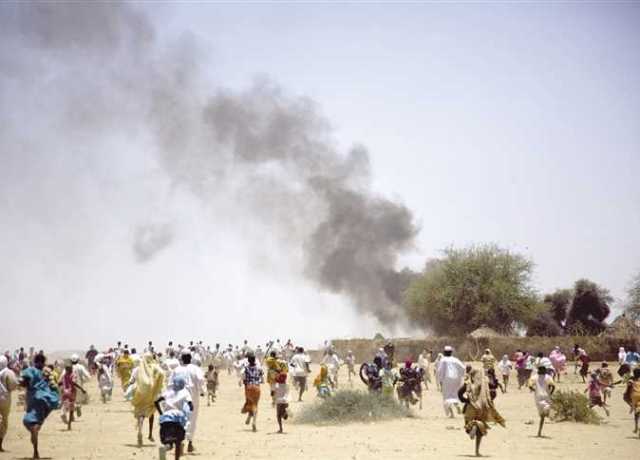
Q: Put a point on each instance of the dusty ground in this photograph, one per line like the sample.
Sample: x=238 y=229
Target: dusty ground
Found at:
x=107 y=432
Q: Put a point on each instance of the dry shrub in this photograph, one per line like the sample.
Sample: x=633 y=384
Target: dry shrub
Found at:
x=347 y=406
x=573 y=407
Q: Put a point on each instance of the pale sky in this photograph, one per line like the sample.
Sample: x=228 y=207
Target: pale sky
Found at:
x=517 y=124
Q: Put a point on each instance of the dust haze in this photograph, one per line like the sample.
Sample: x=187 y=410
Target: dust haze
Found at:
x=140 y=198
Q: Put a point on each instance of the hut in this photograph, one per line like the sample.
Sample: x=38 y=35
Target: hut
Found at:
x=484 y=332
x=623 y=327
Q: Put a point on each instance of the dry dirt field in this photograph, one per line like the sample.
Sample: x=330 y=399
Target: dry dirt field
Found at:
x=107 y=432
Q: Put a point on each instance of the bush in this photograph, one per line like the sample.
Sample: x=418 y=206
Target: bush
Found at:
x=574 y=407
x=352 y=406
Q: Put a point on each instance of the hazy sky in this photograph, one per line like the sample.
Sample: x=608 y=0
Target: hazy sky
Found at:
x=514 y=124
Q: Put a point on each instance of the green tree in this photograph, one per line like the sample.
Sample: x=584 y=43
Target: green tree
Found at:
x=633 y=308
x=471 y=287
x=589 y=308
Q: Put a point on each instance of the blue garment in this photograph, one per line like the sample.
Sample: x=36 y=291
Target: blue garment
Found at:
x=41 y=399
x=632 y=357
x=174 y=416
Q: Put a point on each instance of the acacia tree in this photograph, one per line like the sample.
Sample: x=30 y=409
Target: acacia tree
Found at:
x=471 y=287
x=589 y=308
x=633 y=310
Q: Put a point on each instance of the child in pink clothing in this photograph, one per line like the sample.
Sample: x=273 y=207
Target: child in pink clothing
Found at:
x=594 y=388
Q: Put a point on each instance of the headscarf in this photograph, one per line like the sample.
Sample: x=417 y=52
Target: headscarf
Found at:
x=178 y=383
x=148 y=385
x=4 y=362
x=480 y=398
x=322 y=376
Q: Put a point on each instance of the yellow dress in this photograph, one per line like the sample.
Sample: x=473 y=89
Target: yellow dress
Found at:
x=148 y=387
x=124 y=366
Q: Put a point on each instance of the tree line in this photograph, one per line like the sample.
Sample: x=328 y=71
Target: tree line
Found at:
x=485 y=285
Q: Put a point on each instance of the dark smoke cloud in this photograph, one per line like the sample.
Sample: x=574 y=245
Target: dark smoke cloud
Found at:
x=150 y=239
x=273 y=154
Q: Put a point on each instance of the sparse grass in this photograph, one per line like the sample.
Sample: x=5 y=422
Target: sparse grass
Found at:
x=574 y=407
x=347 y=406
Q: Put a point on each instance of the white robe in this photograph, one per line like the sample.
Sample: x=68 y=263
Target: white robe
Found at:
x=194 y=378
x=450 y=374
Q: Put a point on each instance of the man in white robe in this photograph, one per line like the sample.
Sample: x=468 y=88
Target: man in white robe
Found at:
x=450 y=375
x=333 y=363
x=195 y=384
x=82 y=376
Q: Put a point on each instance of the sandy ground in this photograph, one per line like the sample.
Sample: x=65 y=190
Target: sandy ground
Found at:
x=107 y=432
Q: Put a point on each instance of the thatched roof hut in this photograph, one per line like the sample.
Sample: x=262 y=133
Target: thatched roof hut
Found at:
x=484 y=332
x=623 y=326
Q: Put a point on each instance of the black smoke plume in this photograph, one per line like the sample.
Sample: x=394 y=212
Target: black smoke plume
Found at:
x=271 y=154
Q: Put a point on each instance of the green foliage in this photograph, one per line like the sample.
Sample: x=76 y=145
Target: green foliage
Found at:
x=589 y=308
x=352 y=406
x=633 y=310
x=471 y=287
x=378 y=336
x=574 y=407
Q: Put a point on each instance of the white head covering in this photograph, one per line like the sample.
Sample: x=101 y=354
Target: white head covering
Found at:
x=75 y=358
x=448 y=348
x=545 y=362
x=3 y=362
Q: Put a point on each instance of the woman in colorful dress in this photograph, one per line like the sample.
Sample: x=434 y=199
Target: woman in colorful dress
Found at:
x=40 y=399
x=253 y=378
x=148 y=380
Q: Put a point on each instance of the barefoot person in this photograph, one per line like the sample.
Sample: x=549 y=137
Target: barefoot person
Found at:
x=542 y=387
x=149 y=379
x=40 y=399
x=8 y=383
x=275 y=365
x=300 y=368
x=282 y=399
x=69 y=387
x=253 y=378
x=450 y=376
x=594 y=389
x=478 y=407
x=174 y=407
